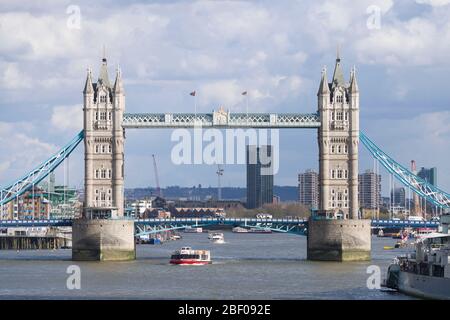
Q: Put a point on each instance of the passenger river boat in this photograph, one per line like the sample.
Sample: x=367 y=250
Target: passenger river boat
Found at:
x=188 y=256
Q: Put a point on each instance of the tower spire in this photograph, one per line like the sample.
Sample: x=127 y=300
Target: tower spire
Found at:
x=103 y=77
x=353 y=83
x=338 y=76
x=323 y=88
x=88 y=88
x=118 y=86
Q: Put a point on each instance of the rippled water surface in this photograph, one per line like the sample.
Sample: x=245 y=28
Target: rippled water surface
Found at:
x=247 y=266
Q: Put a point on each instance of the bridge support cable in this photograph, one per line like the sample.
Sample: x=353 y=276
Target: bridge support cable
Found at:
x=418 y=185
x=20 y=186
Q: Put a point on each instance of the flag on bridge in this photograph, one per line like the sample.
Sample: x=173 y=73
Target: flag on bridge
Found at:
x=192 y=93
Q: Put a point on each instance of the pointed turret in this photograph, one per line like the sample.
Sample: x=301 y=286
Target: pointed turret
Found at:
x=103 y=77
x=118 y=86
x=323 y=88
x=338 y=76
x=88 y=88
x=353 y=83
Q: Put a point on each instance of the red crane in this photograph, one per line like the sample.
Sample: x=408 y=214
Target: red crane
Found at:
x=158 y=189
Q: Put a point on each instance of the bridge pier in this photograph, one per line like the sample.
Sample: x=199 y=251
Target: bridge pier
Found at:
x=339 y=240
x=103 y=240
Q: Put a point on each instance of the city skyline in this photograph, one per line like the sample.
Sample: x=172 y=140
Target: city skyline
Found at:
x=280 y=70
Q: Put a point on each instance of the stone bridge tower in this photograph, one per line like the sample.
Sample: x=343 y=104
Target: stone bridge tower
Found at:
x=338 y=105
x=102 y=233
x=336 y=233
x=104 y=105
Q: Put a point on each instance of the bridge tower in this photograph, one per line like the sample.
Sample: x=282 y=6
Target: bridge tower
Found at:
x=338 y=105
x=102 y=233
x=104 y=105
x=335 y=232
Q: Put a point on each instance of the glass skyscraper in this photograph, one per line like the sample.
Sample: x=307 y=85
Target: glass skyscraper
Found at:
x=259 y=176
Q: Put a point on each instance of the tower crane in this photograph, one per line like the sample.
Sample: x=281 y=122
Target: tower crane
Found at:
x=219 y=173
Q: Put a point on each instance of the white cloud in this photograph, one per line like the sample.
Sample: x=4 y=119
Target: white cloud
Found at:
x=13 y=78
x=20 y=150
x=434 y=3
x=67 y=118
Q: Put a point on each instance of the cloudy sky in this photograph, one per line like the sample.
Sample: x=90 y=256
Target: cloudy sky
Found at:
x=275 y=50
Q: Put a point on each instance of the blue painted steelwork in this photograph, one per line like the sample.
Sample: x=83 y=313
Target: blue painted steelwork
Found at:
x=296 y=226
x=151 y=226
x=399 y=224
x=35 y=176
x=226 y=120
x=424 y=189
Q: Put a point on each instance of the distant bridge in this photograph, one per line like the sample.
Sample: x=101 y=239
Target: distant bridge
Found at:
x=151 y=226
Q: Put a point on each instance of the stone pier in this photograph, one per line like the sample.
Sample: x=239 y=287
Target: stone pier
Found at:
x=339 y=240
x=103 y=240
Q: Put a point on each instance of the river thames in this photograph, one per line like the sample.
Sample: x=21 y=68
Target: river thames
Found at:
x=247 y=266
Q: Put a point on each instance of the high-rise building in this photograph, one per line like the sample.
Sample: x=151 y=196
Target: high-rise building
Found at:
x=399 y=196
x=429 y=175
x=308 y=188
x=369 y=190
x=259 y=176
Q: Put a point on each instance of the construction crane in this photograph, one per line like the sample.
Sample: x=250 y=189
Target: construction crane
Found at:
x=417 y=209
x=158 y=189
x=219 y=173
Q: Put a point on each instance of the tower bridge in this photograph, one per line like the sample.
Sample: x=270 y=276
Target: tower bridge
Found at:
x=103 y=233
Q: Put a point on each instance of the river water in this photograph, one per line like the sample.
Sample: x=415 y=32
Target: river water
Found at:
x=247 y=266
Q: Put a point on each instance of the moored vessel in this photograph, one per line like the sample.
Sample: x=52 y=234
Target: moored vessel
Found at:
x=239 y=230
x=193 y=230
x=424 y=273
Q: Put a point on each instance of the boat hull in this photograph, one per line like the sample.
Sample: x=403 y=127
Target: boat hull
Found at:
x=189 y=262
x=424 y=286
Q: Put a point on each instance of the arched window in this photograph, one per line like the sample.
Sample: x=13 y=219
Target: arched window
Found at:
x=96 y=177
x=345 y=148
x=103 y=148
x=332 y=174
x=332 y=148
x=109 y=148
x=97 y=147
x=339 y=149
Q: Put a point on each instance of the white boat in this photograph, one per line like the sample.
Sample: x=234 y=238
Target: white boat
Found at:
x=187 y=256
x=239 y=230
x=216 y=237
x=193 y=230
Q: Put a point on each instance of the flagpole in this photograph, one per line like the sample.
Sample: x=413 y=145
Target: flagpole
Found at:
x=246 y=100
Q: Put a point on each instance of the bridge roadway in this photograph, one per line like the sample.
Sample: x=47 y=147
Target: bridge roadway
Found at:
x=147 y=226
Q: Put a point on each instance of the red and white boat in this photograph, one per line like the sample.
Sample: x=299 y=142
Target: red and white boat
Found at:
x=187 y=256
